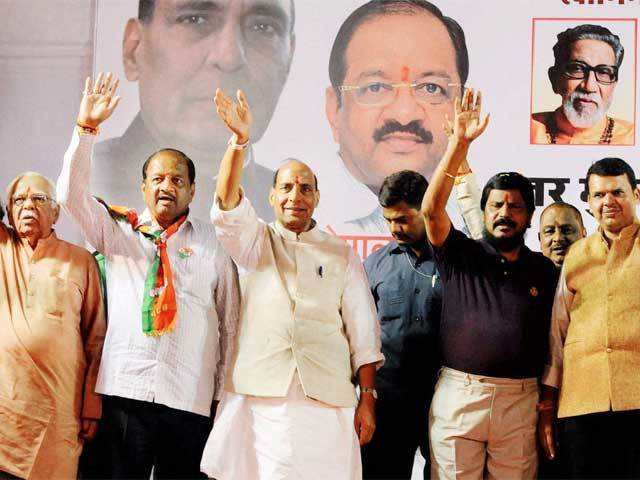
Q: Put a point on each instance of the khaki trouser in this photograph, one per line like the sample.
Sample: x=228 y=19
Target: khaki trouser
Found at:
x=483 y=427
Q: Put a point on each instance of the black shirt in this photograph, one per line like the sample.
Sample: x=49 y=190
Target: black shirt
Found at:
x=408 y=295
x=496 y=314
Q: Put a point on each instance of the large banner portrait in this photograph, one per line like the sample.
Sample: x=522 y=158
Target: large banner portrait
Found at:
x=357 y=92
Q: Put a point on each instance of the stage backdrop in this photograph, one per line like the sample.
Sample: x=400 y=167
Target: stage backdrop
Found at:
x=172 y=62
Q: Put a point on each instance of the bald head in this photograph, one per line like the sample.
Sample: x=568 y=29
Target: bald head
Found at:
x=560 y=226
x=295 y=162
x=294 y=195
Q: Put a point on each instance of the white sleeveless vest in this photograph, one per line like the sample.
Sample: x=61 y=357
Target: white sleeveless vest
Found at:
x=291 y=319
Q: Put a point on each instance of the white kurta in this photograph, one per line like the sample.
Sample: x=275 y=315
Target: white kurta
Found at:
x=290 y=438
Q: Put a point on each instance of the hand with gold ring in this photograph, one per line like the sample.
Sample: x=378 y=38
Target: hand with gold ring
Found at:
x=98 y=102
x=466 y=125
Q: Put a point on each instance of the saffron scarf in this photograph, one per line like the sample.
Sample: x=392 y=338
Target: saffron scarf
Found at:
x=159 y=306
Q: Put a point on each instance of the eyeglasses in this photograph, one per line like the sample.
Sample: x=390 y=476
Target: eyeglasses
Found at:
x=380 y=94
x=605 y=74
x=38 y=199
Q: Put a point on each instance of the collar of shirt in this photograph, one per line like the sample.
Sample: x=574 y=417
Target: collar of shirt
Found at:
x=397 y=248
x=627 y=232
x=311 y=235
x=523 y=256
x=42 y=244
x=146 y=219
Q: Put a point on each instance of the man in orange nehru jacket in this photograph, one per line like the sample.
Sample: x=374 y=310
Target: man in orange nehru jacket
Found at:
x=592 y=379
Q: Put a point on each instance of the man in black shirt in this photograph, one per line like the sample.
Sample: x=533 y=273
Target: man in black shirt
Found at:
x=495 y=321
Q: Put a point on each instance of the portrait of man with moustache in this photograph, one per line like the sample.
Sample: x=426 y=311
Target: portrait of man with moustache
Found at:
x=396 y=67
x=585 y=73
x=179 y=52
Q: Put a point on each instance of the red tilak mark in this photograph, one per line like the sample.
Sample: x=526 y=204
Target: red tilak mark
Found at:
x=405 y=74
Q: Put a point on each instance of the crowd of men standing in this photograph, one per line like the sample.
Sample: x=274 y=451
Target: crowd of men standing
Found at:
x=490 y=358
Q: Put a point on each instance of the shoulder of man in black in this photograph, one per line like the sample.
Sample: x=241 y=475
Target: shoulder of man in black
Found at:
x=457 y=250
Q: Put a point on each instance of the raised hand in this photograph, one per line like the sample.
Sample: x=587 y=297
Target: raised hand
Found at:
x=237 y=116
x=99 y=101
x=466 y=125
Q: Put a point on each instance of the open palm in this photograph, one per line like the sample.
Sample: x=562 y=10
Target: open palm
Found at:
x=236 y=115
x=99 y=101
x=466 y=125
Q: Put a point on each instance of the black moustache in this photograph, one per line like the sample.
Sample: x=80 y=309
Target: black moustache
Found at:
x=414 y=128
x=505 y=222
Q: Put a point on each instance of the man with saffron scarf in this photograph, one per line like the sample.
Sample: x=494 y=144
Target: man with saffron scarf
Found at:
x=172 y=303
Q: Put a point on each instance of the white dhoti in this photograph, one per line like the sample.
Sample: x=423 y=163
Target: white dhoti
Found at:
x=290 y=438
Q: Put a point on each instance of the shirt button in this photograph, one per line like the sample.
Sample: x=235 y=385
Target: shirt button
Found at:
x=609 y=350
x=417 y=319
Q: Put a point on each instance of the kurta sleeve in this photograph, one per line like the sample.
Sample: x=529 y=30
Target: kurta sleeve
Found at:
x=560 y=318
x=72 y=191
x=359 y=317
x=240 y=231
x=93 y=328
x=468 y=202
x=227 y=298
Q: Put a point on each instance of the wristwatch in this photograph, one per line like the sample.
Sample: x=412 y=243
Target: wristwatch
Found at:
x=370 y=390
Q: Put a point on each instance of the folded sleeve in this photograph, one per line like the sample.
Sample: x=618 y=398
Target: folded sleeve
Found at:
x=240 y=231
x=72 y=190
x=227 y=298
x=560 y=318
x=359 y=317
x=93 y=326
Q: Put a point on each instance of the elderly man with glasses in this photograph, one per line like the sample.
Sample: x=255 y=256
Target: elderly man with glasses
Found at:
x=52 y=327
x=585 y=75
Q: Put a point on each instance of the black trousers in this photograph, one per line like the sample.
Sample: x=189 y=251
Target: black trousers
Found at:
x=135 y=436
x=602 y=445
x=402 y=426
x=7 y=476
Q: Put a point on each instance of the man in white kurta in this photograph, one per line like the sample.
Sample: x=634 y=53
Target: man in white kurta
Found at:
x=308 y=327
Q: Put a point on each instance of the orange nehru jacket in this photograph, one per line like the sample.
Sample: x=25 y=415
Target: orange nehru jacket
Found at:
x=601 y=353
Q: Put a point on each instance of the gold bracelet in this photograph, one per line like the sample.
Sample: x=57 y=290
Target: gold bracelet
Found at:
x=462 y=178
x=88 y=130
x=449 y=175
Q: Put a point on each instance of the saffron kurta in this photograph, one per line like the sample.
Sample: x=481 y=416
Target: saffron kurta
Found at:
x=52 y=328
x=543 y=131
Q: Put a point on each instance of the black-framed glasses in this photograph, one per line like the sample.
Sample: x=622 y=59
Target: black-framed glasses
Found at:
x=38 y=199
x=605 y=74
x=380 y=94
